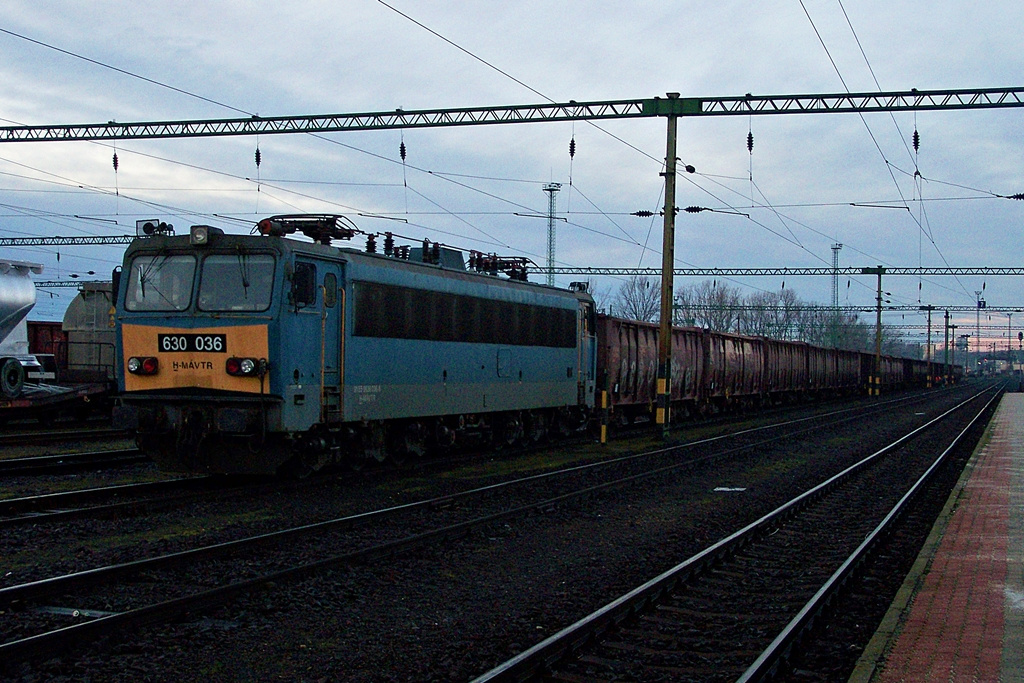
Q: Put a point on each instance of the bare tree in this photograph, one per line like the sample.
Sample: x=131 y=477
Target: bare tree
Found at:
x=709 y=304
x=639 y=298
x=603 y=299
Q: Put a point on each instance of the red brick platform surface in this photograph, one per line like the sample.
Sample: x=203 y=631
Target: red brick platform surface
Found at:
x=960 y=614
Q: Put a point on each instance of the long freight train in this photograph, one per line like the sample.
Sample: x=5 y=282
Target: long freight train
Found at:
x=259 y=353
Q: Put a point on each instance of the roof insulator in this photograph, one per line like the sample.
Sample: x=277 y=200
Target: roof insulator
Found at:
x=917 y=140
x=115 y=162
x=572 y=147
x=401 y=150
x=259 y=157
x=750 y=142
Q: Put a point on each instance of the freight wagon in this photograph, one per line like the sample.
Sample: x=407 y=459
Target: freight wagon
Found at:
x=712 y=371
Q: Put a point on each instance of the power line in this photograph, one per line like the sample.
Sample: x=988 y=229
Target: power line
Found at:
x=122 y=71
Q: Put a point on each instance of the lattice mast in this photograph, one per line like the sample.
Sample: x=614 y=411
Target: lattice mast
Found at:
x=835 y=294
x=552 y=189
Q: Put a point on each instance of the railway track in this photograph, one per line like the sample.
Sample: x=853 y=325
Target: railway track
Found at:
x=70 y=462
x=77 y=435
x=119 y=500
x=740 y=609
x=180 y=583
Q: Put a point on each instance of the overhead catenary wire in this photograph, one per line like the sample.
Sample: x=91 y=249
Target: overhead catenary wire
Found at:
x=601 y=213
x=871 y=134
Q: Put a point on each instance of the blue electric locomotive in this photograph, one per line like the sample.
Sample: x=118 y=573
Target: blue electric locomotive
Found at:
x=253 y=353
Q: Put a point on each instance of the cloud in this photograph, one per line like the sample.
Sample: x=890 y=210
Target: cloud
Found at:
x=322 y=57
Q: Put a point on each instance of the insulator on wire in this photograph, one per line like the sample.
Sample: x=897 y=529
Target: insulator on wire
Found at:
x=572 y=148
x=750 y=142
x=115 y=162
x=690 y=169
x=259 y=157
x=917 y=140
x=1018 y=196
x=401 y=150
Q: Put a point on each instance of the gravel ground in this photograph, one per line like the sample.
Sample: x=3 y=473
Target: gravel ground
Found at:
x=450 y=613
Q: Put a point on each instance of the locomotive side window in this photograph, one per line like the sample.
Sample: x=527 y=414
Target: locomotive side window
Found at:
x=304 y=284
x=236 y=282
x=160 y=282
x=330 y=290
x=405 y=313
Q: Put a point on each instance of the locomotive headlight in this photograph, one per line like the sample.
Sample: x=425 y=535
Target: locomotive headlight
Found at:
x=199 y=235
x=143 y=365
x=244 y=367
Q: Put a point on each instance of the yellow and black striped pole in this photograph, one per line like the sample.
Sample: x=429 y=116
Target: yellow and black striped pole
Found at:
x=604 y=416
x=875 y=389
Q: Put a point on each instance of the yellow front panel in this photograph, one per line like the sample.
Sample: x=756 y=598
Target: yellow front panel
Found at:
x=193 y=369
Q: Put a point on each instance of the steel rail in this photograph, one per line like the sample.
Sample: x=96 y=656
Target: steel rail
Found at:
x=531 y=663
x=73 y=462
x=22 y=438
x=55 y=506
x=768 y=662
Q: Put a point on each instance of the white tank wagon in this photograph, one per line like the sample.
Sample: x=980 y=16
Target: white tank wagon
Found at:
x=17 y=297
x=30 y=384
x=88 y=327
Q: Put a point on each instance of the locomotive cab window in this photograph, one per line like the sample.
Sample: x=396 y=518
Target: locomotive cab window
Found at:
x=236 y=282
x=161 y=282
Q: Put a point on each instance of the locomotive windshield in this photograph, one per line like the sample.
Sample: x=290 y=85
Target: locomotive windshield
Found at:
x=160 y=282
x=236 y=282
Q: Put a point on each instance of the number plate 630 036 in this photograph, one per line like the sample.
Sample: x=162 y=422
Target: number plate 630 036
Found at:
x=207 y=343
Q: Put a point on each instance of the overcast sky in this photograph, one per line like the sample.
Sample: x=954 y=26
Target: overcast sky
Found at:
x=463 y=186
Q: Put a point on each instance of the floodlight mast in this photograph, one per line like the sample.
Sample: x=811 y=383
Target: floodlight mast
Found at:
x=552 y=189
